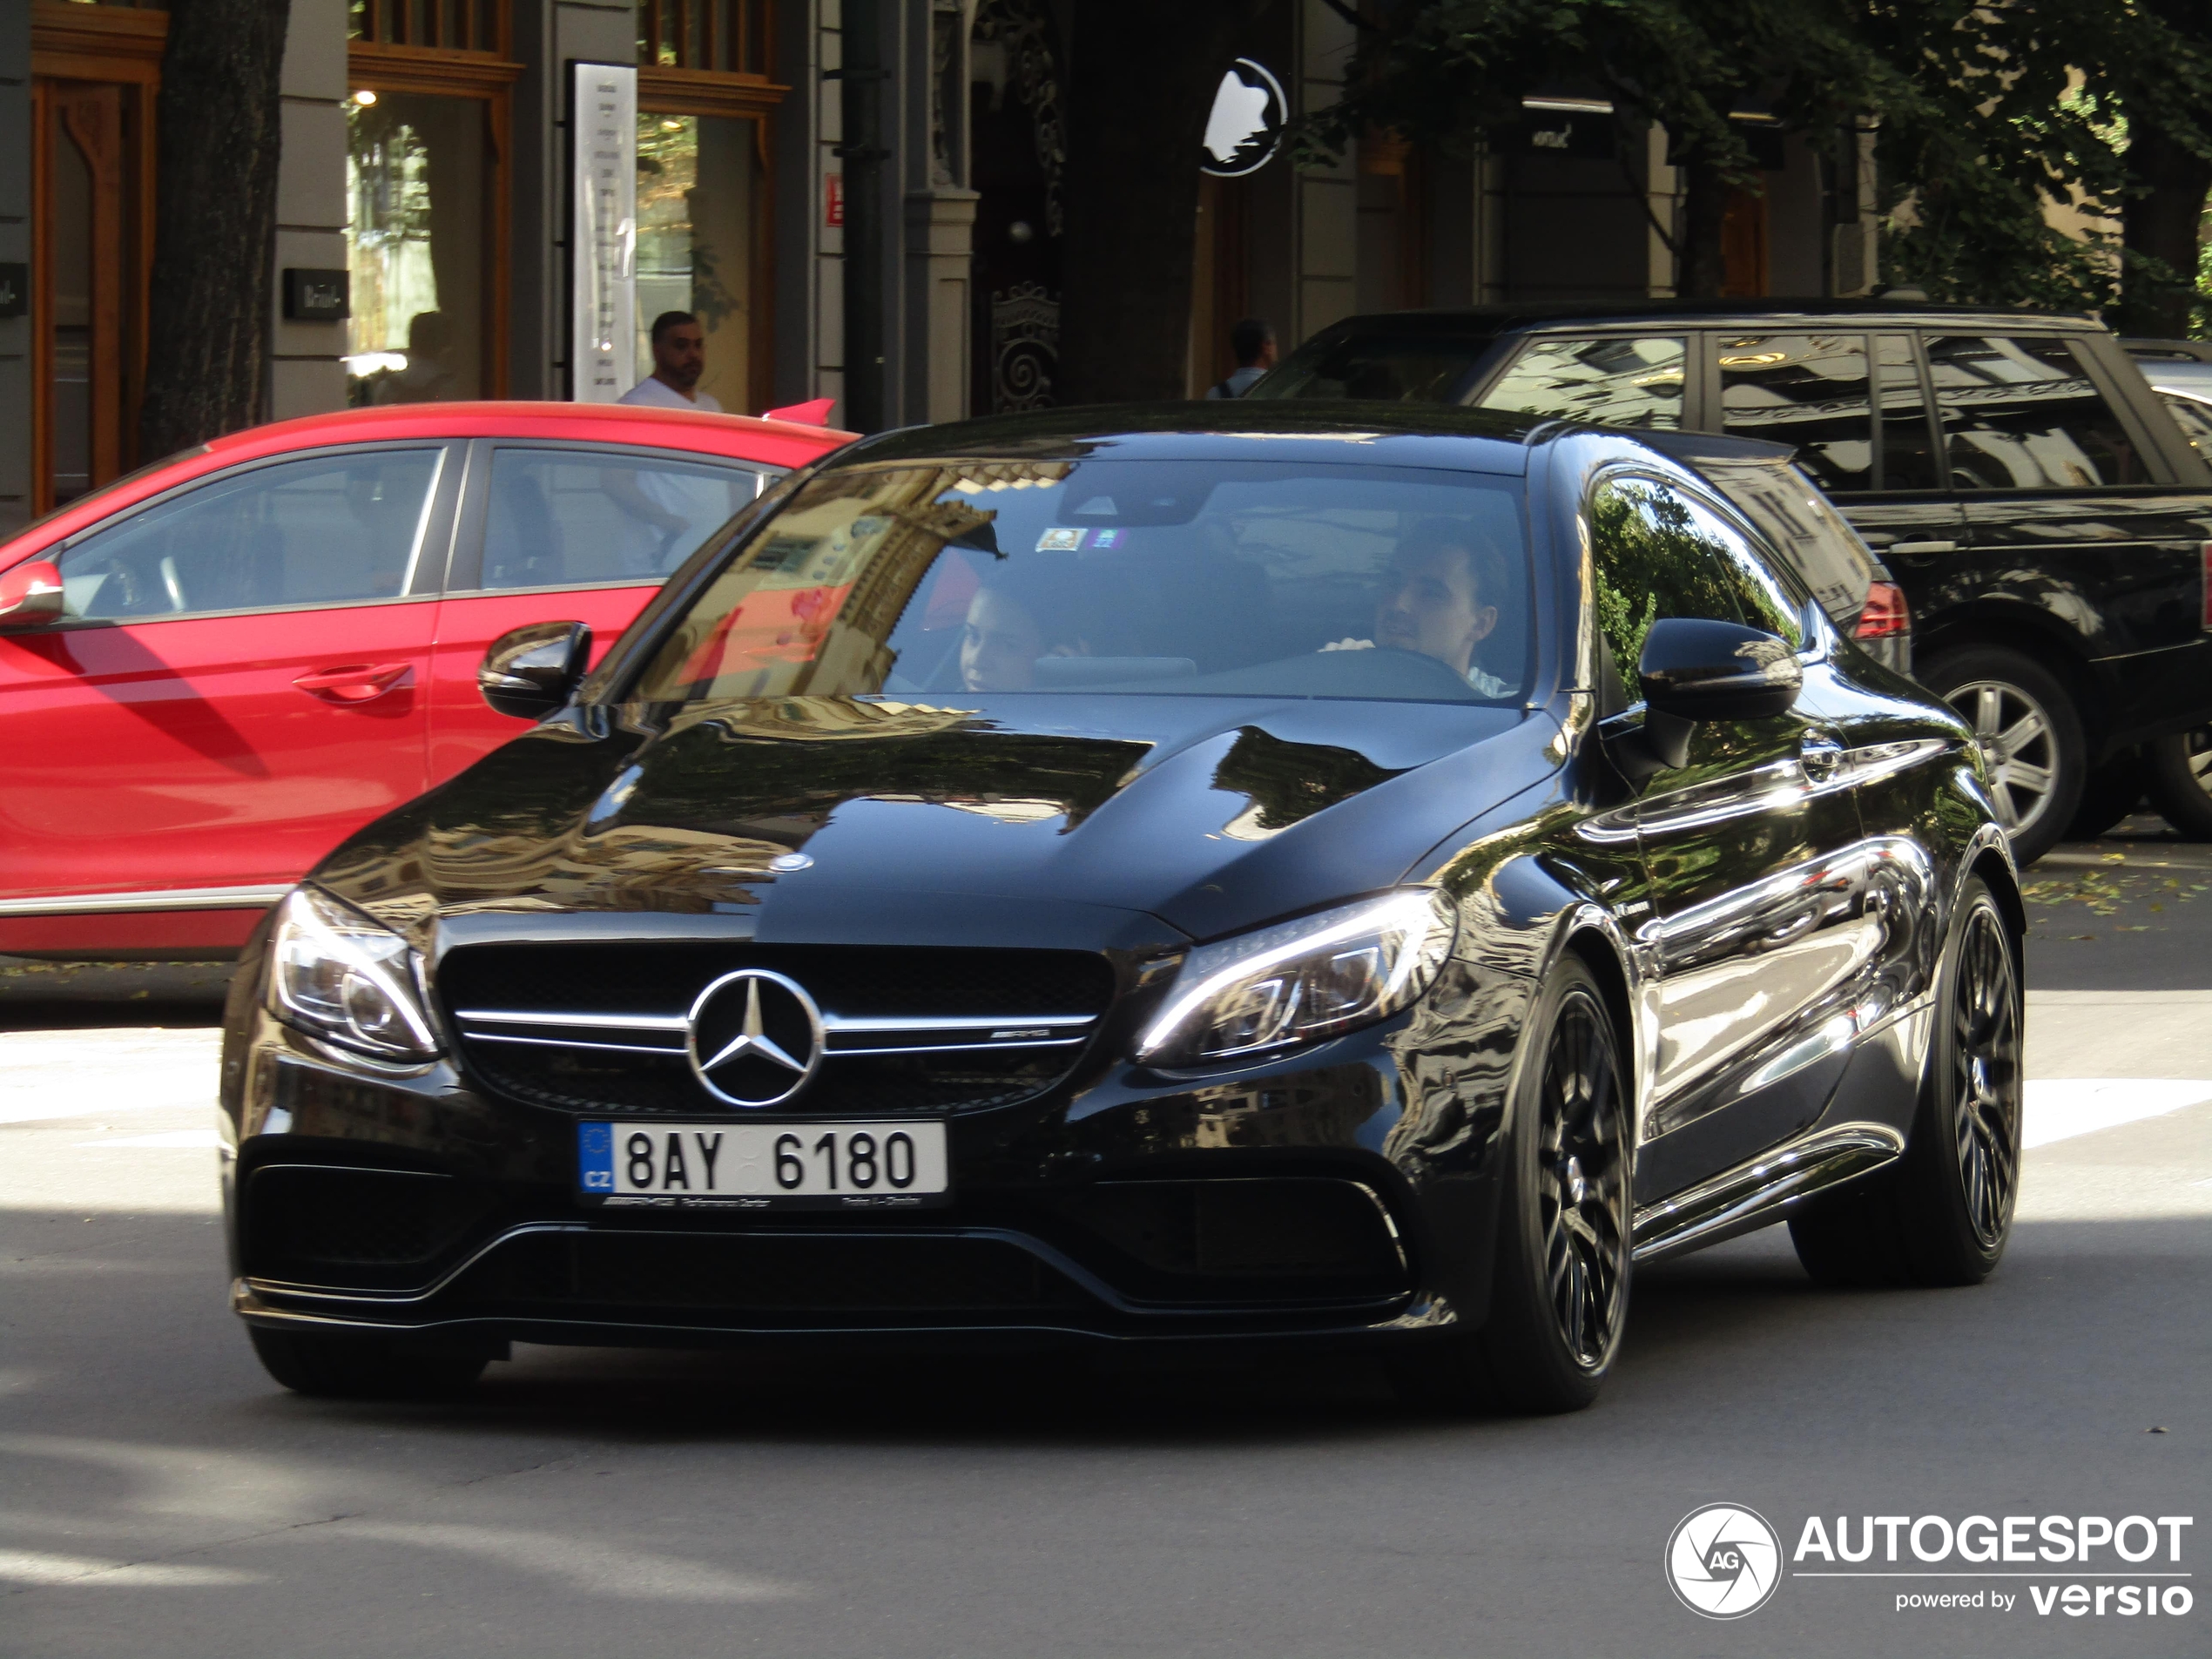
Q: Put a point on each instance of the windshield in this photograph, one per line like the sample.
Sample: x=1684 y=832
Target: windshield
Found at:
x=1410 y=368
x=1164 y=578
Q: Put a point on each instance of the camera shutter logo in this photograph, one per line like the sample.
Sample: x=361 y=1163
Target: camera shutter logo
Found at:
x=755 y=1038
x=1723 y=1561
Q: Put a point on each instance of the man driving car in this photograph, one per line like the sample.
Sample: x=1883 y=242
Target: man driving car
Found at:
x=1436 y=600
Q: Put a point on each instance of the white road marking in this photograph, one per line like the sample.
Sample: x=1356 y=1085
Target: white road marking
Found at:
x=206 y=1138
x=2057 y=1108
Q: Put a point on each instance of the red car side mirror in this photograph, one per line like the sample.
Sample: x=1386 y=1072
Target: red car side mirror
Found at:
x=30 y=596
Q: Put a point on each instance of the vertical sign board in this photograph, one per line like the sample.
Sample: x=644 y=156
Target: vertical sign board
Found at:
x=602 y=241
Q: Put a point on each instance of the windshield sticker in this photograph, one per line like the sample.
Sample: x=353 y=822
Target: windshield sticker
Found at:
x=1060 y=541
x=1101 y=540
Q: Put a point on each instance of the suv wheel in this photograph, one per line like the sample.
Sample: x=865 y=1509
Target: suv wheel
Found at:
x=2030 y=732
x=2180 y=780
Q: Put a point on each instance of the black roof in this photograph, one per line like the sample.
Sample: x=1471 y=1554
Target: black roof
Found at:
x=1492 y=319
x=1432 y=434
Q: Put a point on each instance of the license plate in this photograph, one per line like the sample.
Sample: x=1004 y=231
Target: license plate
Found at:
x=751 y=1166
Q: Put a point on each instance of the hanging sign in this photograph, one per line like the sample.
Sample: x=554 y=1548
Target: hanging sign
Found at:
x=1245 y=128
x=603 y=236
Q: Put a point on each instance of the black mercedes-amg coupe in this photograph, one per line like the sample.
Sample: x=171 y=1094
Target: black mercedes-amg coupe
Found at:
x=1348 y=874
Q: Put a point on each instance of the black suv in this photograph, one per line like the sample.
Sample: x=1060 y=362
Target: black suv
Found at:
x=2049 y=522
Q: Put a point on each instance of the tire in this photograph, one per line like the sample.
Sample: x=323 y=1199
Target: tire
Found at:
x=2109 y=794
x=2180 y=780
x=2031 y=731
x=1559 y=1298
x=1942 y=1213
x=362 y=1367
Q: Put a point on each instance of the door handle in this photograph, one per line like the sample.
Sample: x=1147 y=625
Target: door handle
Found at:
x=353 y=682
x=1820 y=755
x=1913 y=550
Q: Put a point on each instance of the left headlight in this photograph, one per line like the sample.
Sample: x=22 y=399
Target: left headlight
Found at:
x=1302 y=980
x=337 y=975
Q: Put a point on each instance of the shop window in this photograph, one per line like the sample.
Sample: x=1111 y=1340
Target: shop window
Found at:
x=417 y=175
x=698 y=190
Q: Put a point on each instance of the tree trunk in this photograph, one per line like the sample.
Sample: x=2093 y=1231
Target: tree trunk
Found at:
x=2162 y=224
x=1700 y=260
x=214 y=233
x=1142 y=75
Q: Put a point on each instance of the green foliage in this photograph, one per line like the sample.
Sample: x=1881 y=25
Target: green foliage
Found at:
x=1985 y=112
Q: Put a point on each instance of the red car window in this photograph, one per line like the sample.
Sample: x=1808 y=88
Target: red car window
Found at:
x=344 y=529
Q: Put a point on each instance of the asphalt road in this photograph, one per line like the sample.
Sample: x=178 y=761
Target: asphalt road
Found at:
x=161 y=1497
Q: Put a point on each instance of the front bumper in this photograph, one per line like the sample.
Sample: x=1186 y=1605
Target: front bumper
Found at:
x=1347 y=1192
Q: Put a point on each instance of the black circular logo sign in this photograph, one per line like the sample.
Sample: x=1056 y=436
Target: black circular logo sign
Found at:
x=1246 y=124
x=755 y=1038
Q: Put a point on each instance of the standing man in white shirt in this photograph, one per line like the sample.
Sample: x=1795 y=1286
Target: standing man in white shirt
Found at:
x=680 y=358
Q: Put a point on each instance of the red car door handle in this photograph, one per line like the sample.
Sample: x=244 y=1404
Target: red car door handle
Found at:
x=353 y=682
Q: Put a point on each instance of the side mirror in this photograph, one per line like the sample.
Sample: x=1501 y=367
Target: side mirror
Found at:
x=1691 y=671
x=532 y=672
x=30 y=597
x=1717 y=670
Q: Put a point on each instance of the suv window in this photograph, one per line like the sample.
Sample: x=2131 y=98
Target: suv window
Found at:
x=324 y=529
x=1908 y=454
x=1810 y=391
x=1617 y=379
x=1808 y=533
x=557 y=516
x=1658 y=553
x=1409 y=369
x=2022 y=413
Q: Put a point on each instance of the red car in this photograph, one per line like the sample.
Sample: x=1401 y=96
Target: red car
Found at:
x=214 y=670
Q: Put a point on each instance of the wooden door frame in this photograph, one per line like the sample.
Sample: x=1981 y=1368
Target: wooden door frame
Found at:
x=119 y=48
x=739 y=97
x=489 y=80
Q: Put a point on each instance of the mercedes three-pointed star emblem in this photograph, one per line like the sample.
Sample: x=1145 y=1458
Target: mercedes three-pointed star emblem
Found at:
x=755 y=1038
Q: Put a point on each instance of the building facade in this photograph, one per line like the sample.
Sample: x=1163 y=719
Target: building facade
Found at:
x=887 y=237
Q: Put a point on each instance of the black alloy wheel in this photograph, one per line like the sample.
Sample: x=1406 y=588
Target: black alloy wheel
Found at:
x=2181 y=781
x=1582 y=1181
x=1985 y=1055
x=1559 y=1296
x=2030 y=735
x=1942 y=1213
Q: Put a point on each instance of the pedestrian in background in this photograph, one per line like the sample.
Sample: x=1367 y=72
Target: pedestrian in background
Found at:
x=680 y=358
x=1253 y=342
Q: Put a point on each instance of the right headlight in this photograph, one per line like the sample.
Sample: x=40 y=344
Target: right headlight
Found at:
x=1302 y=980
x=337 y=975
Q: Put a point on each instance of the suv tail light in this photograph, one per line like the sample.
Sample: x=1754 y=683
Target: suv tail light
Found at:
x=1886 y=614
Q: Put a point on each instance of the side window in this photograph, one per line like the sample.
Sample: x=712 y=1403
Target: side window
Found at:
x=328 y=529
x=2195 y=421
x=2022 y=413
x=1908 y=454
x=1658 y=553
x=1614 y=379
x=556 y=516
x=1810 y=391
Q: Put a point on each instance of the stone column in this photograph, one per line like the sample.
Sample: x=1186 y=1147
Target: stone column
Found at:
x=305 y=374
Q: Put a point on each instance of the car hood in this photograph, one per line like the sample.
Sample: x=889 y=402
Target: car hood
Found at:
x=1210 y=815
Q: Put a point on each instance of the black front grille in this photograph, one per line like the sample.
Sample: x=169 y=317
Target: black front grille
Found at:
x=741 y=1274
x=850 y=981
